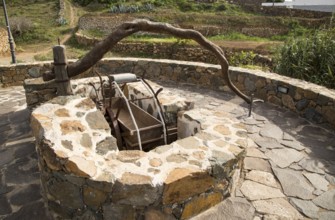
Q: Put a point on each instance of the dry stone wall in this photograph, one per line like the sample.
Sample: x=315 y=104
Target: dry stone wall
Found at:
x=311 y=101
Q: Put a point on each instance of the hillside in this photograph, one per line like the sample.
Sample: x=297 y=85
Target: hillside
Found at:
x=37 y=24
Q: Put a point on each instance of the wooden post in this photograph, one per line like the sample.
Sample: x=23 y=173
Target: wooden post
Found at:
x=60 y=70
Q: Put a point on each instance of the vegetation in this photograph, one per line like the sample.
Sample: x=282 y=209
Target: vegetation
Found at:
x=311 y=58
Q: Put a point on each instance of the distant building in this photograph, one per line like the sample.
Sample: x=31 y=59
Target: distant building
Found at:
x=311 y=5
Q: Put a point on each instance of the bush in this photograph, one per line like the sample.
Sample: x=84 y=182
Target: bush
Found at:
x=311 y=58
x=20 y=25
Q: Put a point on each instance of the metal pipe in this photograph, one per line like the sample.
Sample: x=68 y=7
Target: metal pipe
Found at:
x=10 y=39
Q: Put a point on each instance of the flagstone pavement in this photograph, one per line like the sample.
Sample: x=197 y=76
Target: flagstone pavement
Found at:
x=288 y=173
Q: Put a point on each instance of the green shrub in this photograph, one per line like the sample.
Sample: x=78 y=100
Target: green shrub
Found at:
x=311 y=58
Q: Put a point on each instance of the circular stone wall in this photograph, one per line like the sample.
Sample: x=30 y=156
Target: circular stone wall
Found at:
x=85 y=175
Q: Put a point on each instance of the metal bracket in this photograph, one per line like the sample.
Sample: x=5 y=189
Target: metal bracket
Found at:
x=251 y=103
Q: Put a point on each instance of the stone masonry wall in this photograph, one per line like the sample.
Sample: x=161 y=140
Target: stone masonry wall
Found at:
x=85 y=176
x=311 y=101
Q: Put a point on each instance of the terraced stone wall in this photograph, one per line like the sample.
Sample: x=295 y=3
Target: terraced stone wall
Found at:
x=84 y=175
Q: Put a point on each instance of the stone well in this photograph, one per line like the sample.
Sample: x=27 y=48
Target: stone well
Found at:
x=84 y=175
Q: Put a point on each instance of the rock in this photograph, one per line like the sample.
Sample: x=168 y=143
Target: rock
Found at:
x=279 y=207
x=271 y=131
x=86 y=104
x=66 y=193
x=135 y=189
x=284 y=157
x=119 y=212
x=262 y=177
x=222 y=130
x=318 y=192
x=155 y=162
x=153 y=214
x=268 y=143
x=189 y=143
x=318 y=181
x=331 y=179
x=326 y=215
x=71 y=126
x=4 y=206
x=199 y=155
x=93 y=197
x=67 y=144
x=26 y=195
x=81 y=167
x=107 y=145
x=326 y=200
x=34 y=72
x=97 y=121
x=293 y=144
x=287 y=137
x=295 y=166
x=200 y=204
x=86 y=141
x=257 y=191
x=130 y=156
x=302 y=104
x=312 y=165
x=256 y=164
x=231 y=208
x=62 y=112
x=196 y=181
x=288 y=102
x=294 y=184
x=254 y=152
x=176 y=158
x=34 y=210
x=306 y=207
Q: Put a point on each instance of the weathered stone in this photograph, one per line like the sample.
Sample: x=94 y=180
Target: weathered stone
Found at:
x=275 y=100
x=235 y=149
x=109 y=144
x=86 y=141
x=330 y=179
x=199 y=155
x=318 y=181
x=96 y=120
x=50 y=157
x=254 y=152
x=176 y=158
x=153 y=214
x=326 y=215
x=71 y=126
x=34 y=72
x=302 y=104
x=257 y=191
x=222 y=130
x=294 y=184
x=295 y=166
x=93 y=197
x=279 y=207
x=200 y=204
x=62 y=112
x=81 y=167
x=162 y=149
x=130 y=156
x=86 y=104
x=189 y=143
x=155 y=162
x=326 y=200
x=262 y=177
x=175 y=190
x=251 y=163
x=306 y=207
x=4 y=206
x=271 y=131
x=231 y=208
x=119 y=212
x=288 y=102
x=268 y=143
x=293 y=144
x=135 y=189
x=312 y=165
x=68 y=194
x=26 y=195
x=67 y=144
x=318 y=192
x=35 y=210
x=284 y=157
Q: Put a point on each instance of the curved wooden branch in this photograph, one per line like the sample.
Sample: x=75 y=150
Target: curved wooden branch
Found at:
x=129 y=28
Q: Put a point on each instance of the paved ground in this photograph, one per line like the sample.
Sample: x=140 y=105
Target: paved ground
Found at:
x=288 y=174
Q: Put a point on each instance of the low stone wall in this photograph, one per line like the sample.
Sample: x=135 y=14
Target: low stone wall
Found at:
x=84 y=175
x=314 y=102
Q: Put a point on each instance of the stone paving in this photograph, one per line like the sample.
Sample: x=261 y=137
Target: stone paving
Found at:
x=288 y=173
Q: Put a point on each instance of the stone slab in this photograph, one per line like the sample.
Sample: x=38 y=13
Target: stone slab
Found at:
x=256 y=191
x=318 y=181
x=326 y=200
x=263 y=178
x=306 y=207
x=294 y=184
x=279 y=207
x=271 y=131
x=251 y=163
x=284 y=157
